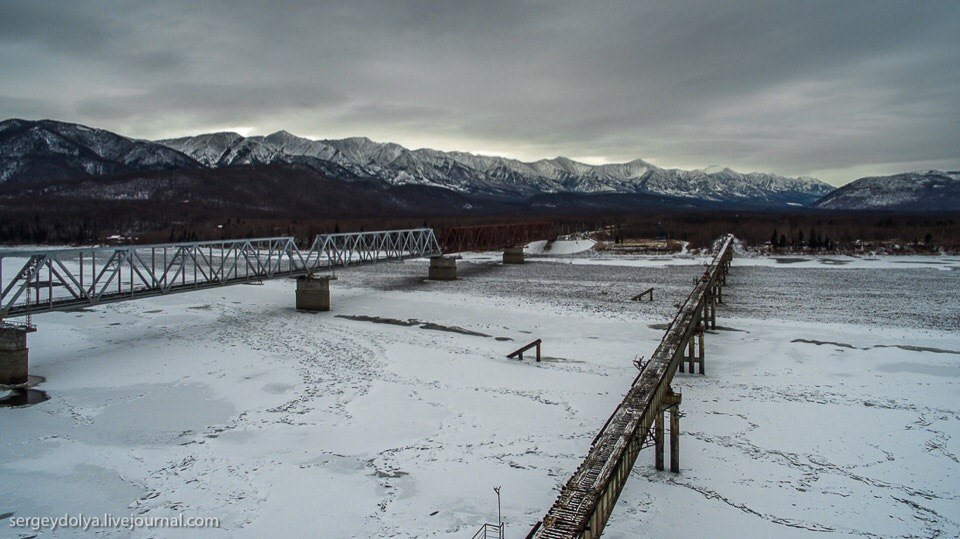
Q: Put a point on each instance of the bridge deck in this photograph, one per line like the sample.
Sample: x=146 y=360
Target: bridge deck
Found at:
x=587 y=499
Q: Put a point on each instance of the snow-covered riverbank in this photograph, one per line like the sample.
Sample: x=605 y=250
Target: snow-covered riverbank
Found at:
x=397 y=412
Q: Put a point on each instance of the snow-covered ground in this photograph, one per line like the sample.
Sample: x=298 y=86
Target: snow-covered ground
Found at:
x=831 y=402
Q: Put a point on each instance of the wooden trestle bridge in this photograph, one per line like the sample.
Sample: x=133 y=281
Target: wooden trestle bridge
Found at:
x=587 y=499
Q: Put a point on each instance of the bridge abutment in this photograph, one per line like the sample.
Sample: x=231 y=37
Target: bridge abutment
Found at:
x=313 y=292
x=442 y=268
x=513 y=255
x=14 y=367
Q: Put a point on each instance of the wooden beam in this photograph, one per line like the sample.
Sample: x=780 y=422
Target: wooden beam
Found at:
x=658 y=440
x=701 y=357
x=518 y=353
x=647 y=292
x=675 y=439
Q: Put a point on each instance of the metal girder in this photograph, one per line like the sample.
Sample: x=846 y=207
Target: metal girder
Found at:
x=487 y=237
x=587 y=499
x=357 y=248
x=60 y=279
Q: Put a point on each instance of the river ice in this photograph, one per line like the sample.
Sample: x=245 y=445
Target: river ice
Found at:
x=831 y=402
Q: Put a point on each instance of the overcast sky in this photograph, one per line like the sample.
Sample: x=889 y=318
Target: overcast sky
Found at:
x=836 y=90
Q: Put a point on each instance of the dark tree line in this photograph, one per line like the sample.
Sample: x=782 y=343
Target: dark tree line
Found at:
x=67 y=221
x=814 y=240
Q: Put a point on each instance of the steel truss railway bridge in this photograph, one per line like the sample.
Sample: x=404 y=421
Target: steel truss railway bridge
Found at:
x=38 y=281
x=56 y=280
x=44 y=280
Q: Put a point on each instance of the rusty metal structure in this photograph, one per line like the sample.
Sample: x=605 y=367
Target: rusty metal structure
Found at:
x=492 y=237
x=587 y=499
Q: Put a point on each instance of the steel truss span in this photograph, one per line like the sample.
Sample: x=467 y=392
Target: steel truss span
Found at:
x=40 y=281
x=490 y=237
x=587 y=499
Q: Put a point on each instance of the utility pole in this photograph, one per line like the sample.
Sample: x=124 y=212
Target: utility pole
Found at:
x=499 y=514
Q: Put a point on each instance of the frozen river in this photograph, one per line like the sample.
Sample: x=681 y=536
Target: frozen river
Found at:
x=831 y=402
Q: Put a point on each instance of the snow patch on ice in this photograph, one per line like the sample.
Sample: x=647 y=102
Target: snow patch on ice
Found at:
x=559 y=247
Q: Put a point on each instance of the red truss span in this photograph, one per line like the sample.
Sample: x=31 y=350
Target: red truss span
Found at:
x=492 y=237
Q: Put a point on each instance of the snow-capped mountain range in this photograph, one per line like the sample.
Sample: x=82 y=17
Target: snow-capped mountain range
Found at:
x=930 y=190
x=44 y=150
x=497 y=176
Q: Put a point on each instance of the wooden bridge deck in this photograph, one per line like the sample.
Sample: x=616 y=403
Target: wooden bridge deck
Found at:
x=587 y=499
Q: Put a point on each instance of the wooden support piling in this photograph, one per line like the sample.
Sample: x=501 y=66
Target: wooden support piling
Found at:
x=658 y=440
x=700 y=357
x=672 y=402
x=675 y=439
x=713 y=311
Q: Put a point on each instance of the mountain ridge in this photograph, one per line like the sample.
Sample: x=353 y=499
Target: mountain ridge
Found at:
x=930 y=190
x=47 y=149
x=495 y=175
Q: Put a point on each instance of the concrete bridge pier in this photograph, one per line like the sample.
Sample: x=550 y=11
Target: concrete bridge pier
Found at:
x=14 y=369
x=313 y=292
x=442 y=268
x=513 y=255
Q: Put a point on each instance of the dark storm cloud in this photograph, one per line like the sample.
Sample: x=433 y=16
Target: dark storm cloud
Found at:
x=835 y=89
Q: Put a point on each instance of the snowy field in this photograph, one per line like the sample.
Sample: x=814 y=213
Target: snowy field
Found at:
x=831 y=402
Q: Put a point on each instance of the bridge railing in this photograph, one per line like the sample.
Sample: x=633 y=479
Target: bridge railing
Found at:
x=41 y=280
x=489 y=531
